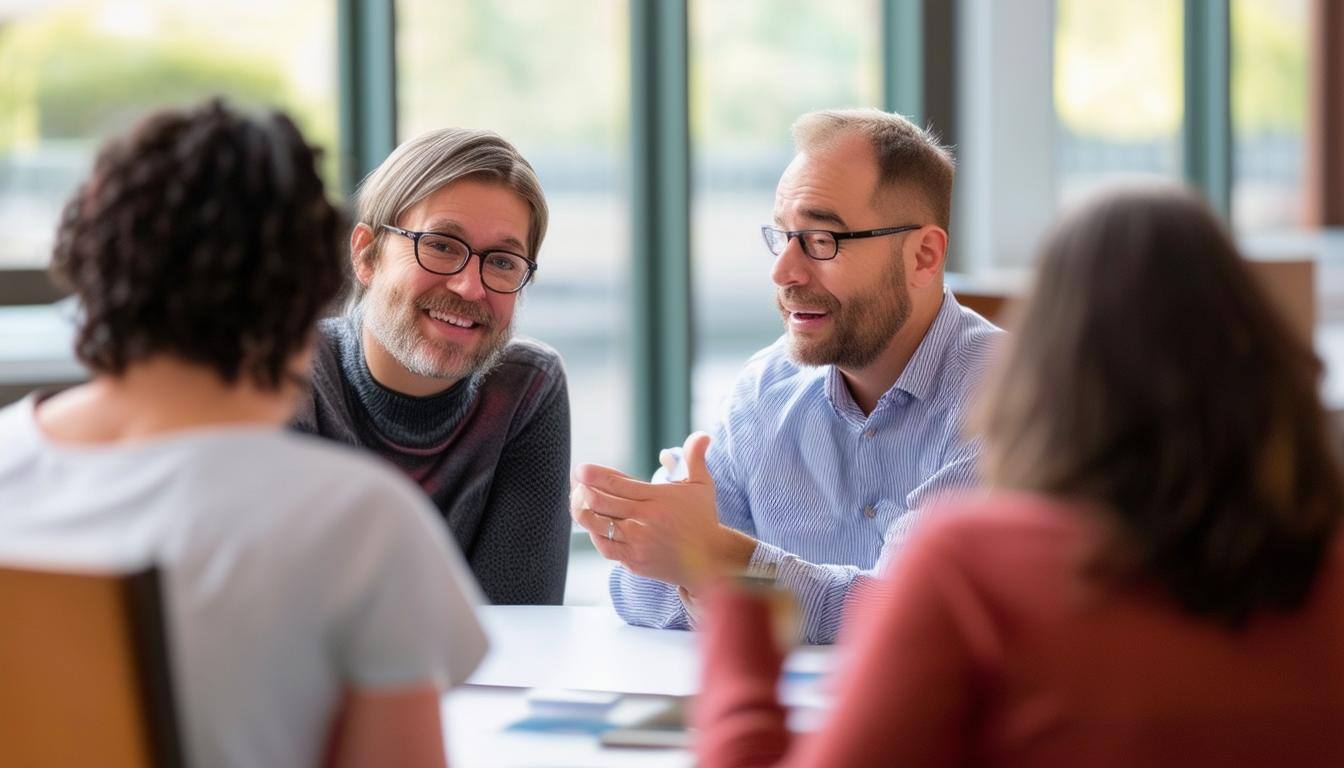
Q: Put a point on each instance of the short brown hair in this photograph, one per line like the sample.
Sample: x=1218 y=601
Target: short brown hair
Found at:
x=205 y=235
x=1150 y=376
x=909 y=158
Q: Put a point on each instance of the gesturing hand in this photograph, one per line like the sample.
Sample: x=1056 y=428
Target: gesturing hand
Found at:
x=666 y=531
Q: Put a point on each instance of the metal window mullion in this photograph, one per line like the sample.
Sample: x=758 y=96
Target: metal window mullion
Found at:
x=903 y=58
x=366 y=31
x=660 y=342
x=1207 y=130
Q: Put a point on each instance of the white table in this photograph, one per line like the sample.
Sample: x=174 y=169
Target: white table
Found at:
x=584 y=648
x=587 y=648
x=475 y=721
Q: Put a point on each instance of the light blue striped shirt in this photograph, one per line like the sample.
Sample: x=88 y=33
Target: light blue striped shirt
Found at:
x=823 y=488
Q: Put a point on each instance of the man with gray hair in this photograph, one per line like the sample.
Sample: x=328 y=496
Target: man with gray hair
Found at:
x=839 y=433
x=423 y=370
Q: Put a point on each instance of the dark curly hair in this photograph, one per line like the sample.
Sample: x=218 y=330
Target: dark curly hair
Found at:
x=202 y=234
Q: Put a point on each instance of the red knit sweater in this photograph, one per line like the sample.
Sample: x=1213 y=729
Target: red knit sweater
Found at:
x=986 y=647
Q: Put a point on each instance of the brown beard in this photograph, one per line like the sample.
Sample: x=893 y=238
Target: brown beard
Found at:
x=861 y=327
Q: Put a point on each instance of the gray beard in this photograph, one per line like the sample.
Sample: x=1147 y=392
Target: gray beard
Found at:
x=421 y=356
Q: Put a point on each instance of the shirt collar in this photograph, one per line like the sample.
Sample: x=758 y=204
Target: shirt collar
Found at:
x=920 y=373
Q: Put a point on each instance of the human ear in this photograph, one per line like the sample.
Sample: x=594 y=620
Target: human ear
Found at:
x=926 y=254
x=362 y=253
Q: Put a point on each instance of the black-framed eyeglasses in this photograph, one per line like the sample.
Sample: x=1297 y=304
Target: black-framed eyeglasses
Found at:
x=501 y=271
x=821 y=244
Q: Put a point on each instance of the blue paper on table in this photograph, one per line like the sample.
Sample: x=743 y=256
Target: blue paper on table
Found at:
x=542 y=724
x=661 y=725
x=559 y=710
x=564 y=703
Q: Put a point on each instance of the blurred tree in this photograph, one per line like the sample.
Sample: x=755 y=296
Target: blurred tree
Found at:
x=64 y=77
x=759 y=64
x=1118 y=67
x=524 y=68
x=1269 y=66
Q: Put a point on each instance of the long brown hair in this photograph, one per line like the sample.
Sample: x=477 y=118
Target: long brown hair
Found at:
x=1149 y=374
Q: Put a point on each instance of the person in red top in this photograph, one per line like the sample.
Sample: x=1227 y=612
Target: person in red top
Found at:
x=1155 y=575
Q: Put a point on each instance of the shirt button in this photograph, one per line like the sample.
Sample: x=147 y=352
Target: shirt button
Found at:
x=870 y=511
x=870 y=433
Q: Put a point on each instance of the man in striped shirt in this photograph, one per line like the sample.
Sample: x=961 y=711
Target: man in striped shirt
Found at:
x=839 y=433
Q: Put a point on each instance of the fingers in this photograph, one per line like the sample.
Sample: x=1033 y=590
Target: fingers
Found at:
x=578 y=501
x=592 y=474
x=608 y=529
x=611 y=549
x=614 y=482
x=603 y=503
x=609 y=535
x=693 y=453
x=596 y=525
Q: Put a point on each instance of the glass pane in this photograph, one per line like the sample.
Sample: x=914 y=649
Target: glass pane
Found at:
x=1118 y=91
x=756 y=65
x=1269 y=97
x=73 y=73
x=552 y=78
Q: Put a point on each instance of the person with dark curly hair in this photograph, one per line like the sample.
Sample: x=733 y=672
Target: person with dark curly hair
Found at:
x=423 y=370
x=1156 y=575
x=315 y=605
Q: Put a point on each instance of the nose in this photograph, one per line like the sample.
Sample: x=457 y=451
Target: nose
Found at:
x=467 y=282
x=791 y=265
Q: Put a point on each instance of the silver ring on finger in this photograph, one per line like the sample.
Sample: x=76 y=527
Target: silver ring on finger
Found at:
x=611 y=529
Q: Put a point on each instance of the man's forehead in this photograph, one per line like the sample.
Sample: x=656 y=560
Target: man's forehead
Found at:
x=456 y=226
x=838 y=184
x=820 y=191
x=811 y=214
x=468 y=210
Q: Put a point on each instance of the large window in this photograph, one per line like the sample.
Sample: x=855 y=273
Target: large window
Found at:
x=1269 y=95
x=1118 y=92
x=552 y=78
x=756 y=65
x=73 y=73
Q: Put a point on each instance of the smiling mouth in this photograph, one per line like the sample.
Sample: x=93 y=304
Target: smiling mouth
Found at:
x=453 y=320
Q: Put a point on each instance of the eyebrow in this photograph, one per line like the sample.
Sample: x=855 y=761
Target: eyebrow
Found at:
x=450 y=227
x=817 y=214
x=822 y=214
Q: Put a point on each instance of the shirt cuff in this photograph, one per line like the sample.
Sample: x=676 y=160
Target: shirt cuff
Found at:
x=765 y=561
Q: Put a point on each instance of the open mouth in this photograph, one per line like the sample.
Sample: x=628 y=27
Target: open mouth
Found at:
x=456 y=321
x=806 y=321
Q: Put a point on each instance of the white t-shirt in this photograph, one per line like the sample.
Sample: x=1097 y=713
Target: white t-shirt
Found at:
x=292 y=569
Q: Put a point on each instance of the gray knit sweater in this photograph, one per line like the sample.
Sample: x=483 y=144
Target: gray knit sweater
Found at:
x=492 y=452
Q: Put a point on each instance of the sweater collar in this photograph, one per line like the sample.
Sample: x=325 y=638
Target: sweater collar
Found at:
x=404 y=419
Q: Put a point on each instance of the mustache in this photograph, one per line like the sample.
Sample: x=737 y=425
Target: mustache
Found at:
x=453 y=304
x=819 y=299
